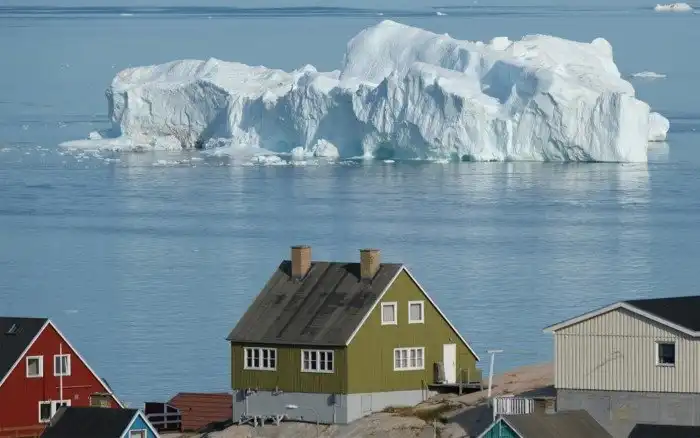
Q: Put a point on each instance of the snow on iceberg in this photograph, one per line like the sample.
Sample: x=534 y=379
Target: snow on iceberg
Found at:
x=673 y=7
x=402 y=92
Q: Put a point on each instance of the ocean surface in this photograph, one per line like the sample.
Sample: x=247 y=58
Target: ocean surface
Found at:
x=146 y=261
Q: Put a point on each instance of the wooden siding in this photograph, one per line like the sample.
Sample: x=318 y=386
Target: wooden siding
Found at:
x=139 y=424
x=199 y=409
x=371 y=353
x=288 y=377
x=617 y=351
x=20 y=395
x=499 y=429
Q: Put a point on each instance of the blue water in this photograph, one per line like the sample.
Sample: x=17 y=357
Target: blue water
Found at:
x=146 y=261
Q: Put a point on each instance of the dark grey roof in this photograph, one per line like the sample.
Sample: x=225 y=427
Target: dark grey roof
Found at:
x=682 y=311
x=324 y=308
x=664 y=430
x=568 y=424
x=12 y=345
x=89 y=422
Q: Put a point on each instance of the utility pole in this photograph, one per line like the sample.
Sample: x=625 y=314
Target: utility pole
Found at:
x=493 y=357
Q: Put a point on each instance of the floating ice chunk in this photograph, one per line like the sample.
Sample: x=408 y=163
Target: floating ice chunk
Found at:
x=324 y=149
x=268 y=160
x=440 y=14
x=658 y=127
x=648 y=75
x=299 y=153
x=402 y=93
x=673 y=7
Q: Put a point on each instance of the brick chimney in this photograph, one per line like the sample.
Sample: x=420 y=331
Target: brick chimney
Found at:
x=301 y=261
x=369 y=263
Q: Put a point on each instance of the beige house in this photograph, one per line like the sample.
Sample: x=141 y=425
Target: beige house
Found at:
x=631 y=362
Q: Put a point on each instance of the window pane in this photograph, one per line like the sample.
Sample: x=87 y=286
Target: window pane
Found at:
x=388 y=313
x=397 y=358
x=404 y=358
x=419 y=360
x=667 y=353
x=416 y=311
x=413 y=357
x=45 y=411
x=330 y=361
x=265 y=362
x=33 y=367
x=314 y=360
x=273 y=358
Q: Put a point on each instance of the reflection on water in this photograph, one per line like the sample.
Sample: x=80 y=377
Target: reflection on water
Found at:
x=167 y=258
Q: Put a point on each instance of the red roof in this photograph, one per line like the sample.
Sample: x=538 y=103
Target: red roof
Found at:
x=199 y=409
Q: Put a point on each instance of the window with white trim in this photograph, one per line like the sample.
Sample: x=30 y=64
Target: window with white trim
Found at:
x=416 y=313
x=258 y=358
x=47 y=409
x=666 y=354
x=389 y=313
x=317 y=361
x=61 y=365
x=406 y=359
x=137 y=434
x=35 y=366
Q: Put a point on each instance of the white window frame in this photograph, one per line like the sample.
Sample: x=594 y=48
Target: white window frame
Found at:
x=41 y=367
x=68 y=365
x=408 y=358
x=270 y=351
x=132 y=433
x=318 y=369
x=41 y=420
x=422 y=312
x=658 y=354
x=396 y=313
x=54 y=407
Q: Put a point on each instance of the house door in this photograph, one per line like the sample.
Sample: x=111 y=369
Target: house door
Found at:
x=449 y=360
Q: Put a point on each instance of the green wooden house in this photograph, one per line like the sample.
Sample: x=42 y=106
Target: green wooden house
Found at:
x=332 y=342
x=566 y=424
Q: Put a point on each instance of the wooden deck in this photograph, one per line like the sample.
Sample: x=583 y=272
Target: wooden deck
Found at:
x=22 y=432
x=457 y=387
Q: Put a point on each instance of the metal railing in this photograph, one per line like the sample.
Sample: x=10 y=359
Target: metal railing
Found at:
x=511 y=405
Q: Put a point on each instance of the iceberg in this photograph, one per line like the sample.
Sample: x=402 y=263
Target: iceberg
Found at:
x=401 y=93
x=673 y=7
x=648 y=75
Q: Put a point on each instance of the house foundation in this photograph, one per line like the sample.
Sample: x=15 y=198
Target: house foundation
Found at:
x=619 y=411
x=259 y=407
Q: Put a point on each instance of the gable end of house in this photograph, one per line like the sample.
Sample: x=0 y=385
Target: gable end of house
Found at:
x=405 y=270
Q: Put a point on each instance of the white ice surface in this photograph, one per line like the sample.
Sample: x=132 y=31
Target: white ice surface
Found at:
x=648 y=75
x=402 y=92
x=673 y=7
x=658 y=127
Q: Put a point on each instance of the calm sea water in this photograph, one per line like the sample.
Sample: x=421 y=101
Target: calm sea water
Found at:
x=147 y=262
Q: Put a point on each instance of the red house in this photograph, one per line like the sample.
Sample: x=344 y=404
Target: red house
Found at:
x=40 y=371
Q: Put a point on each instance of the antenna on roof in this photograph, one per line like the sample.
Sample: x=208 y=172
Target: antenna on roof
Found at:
x=12 y=330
